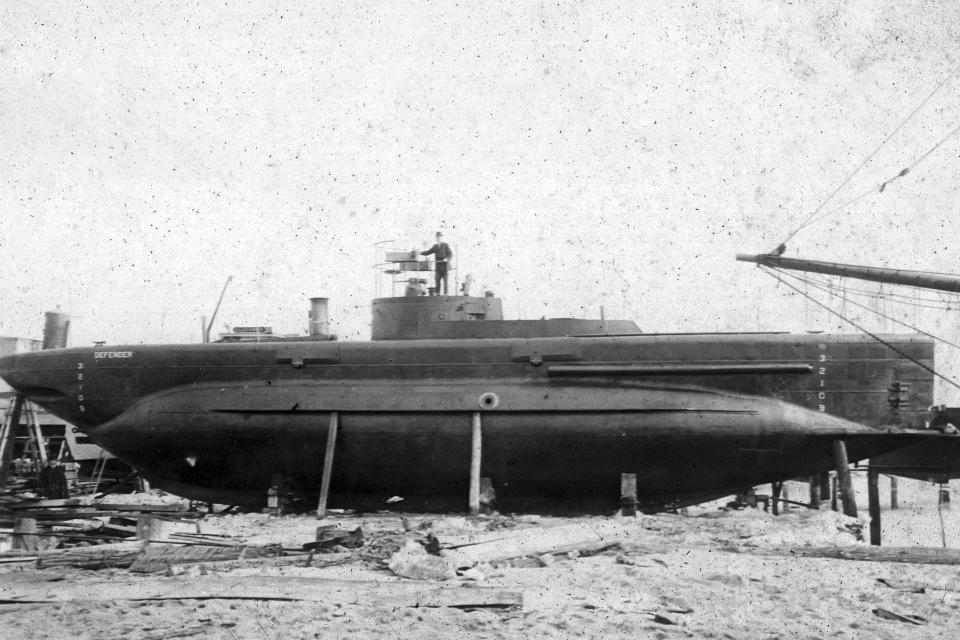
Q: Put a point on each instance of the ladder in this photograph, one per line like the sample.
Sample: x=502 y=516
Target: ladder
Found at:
x=97 y=475
x=36 y=444
x=8 y=435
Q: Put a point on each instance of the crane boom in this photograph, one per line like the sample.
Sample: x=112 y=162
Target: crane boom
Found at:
x=921 y=279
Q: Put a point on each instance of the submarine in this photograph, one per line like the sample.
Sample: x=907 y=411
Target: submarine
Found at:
x=565 y=406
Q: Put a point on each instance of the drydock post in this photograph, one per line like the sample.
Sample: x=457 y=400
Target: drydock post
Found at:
x=327 y=465
x=843 y=474
x=814 y=492
x=873 y=498
x=8 y=434
x=628 y=494
x=475 y=451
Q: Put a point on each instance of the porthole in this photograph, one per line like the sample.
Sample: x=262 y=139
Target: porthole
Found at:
x=489 y=400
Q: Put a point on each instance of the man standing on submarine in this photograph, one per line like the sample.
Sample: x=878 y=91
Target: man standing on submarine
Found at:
x=441 y=253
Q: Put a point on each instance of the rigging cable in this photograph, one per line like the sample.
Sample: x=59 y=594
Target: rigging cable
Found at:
x=897 y=298
x=879 y=313
x=880 y=188
x=810 y=219
x=862 y=329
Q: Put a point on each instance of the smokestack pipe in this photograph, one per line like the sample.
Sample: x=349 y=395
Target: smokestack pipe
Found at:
x=56 y=328
x=319 y=321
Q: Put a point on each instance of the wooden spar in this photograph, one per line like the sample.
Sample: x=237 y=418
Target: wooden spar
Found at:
x=475 y=453
x=873 y=498
x=894 y=503
x=327 y=464
x=843 y=475
x=921 y=279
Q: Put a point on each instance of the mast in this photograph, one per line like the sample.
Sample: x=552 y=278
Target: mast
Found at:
x=921 y=279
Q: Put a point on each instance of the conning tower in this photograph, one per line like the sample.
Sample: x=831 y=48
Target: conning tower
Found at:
x=415 y=315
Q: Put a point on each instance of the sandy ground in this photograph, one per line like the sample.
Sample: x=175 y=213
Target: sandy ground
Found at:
x=694 y=575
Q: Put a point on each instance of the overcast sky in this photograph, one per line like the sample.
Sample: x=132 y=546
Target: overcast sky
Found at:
x=576 y=155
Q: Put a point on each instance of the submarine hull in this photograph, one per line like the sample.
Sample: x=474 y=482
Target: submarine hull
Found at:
x=541 y=443
x=693 y=416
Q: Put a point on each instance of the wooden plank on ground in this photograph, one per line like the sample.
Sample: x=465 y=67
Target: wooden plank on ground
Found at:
x=166 y=508
x=863 y=553
x=121 y=554
x=386 y=593
x=538 y=541
x=158 y=556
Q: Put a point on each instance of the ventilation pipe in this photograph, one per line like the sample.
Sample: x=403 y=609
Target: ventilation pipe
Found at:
x=56 y=327
x=319 y=321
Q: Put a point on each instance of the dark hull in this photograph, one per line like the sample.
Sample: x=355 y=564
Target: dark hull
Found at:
x=224 y=444
x=694 y=416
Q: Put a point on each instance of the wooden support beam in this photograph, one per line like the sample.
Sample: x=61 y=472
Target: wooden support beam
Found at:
x=833 y=492
x=628 y=494
x=894 y=502
x=944 y=496
x=843 y=474
x=488 y=495
x=775 y=489
x=873 y=499
x=824 y=485
x=476 y=448
x=327 y=464
x=25 y=534
x=8 y=435
x=814 y=492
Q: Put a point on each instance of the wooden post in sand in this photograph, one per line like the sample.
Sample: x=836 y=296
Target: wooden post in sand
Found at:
x=843 y=474
x=825 y=485
x=327 y=465
x=873 y=500
x=628 y=494
x=833 y=492
x=476 y=448
x=814 y=492
x=894 y=503
x=25 y=534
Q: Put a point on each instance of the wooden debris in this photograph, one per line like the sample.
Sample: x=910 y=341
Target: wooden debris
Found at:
x=25 y=534
x=121 y=554
x=143 y=508
x=431 y=562
x=911 y=586
x=329 y=537
x=44 y=504
x=890 y=615
x=181 y=633
x=903 y=585
x=910 y=555
x=157 y=557
x=538 y=541
x=220 y=587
